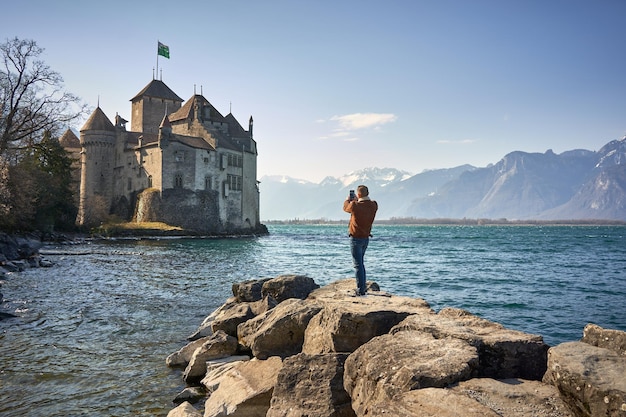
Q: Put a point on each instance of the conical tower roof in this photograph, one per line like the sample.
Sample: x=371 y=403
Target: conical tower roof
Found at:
x=98 y=121
x=69 y=140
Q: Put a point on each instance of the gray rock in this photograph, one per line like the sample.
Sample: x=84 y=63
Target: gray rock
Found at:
x=184 y=410
x=246 y=390
x=205 y=327
x=614 y=340
x=347 y=322
x=284 y=287
x=263 y=305
x=190 y=394
x=220 y=345
x=14 y=266
x=504 y=353
x=249 y=291
x=389 y=365
x=338 y=290
x=44 y=263
x=181 y=358
x=515 y=397
x=591 y=379
x=432 y=402
x=230 y=316
x=311 y=386
x=217 y=368
x=280 y=331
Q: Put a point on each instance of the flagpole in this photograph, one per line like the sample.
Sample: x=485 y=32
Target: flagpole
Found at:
x=157 y=71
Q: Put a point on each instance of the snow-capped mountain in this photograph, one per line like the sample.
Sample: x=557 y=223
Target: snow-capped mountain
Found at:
x=285 y=198
x=573 y=185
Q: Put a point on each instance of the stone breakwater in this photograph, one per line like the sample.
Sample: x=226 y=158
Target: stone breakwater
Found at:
x=284 y=347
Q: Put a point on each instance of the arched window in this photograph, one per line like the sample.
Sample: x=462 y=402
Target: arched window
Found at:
x=178 y=181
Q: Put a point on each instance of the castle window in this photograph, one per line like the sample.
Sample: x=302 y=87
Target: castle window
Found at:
x=235 y=182
x=130 y=184
x=235 y=160
x=178 y=181
x=207 y=183
x=206 y=159
x=149 y=181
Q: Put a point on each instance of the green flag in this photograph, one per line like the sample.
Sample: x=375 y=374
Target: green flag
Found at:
x=163 y=50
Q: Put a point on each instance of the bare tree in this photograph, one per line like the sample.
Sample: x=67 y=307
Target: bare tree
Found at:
x=32 y=98
x=5 y=193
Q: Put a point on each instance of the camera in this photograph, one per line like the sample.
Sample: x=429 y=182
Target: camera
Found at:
x=352 y=195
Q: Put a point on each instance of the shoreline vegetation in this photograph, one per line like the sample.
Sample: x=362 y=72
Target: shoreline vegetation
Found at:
x=404 y=221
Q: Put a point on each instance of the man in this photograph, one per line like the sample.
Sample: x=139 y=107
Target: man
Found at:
x=362 y=210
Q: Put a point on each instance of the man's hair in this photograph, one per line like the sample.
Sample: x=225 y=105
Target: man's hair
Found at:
x=361 y=189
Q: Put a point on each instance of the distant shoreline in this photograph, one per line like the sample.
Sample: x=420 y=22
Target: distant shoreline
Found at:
x=407 y=221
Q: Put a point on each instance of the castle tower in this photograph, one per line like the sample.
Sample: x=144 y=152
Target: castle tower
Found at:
x=97 y=140
x=150 y=104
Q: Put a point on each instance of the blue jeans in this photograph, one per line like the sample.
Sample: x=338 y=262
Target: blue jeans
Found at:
x=358 y=247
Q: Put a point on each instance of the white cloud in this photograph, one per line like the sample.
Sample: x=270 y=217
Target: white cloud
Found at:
x=356 y=121
x=349 y=123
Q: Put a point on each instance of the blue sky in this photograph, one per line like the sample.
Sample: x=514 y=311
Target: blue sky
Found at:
x=336 y=86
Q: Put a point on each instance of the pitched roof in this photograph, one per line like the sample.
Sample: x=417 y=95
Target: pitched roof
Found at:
x=158 y=89
x=186 y=111
x=98 y=121
x=69 y=140
x=234 y=128
x=192 y=141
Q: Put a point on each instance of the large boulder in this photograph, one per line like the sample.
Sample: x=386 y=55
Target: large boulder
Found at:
x=346 y=323
x=614 y=340
x=280 y=331
x=191 y=395
x=249 y=291
x=231 y=316
x=340 y=289
x=515 y=397
x=311 y=386
x=504 y=353
x=184 y=410
x=217 y=368
x=591 y=379
x=389 y=365
x=288 y=286
x=9 y=248
x=246 y=390
x=181 y=358
x=205 y=327
x=432 y=402
x=219 y=345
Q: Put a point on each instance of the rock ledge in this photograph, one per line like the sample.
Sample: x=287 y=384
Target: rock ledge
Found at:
x=284 y=347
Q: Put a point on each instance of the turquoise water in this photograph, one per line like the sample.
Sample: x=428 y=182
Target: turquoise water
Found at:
x=93 y=332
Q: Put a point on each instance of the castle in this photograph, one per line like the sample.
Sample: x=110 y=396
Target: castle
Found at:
x=184 y=165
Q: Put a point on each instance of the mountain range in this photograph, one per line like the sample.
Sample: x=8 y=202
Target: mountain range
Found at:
x=574 y=185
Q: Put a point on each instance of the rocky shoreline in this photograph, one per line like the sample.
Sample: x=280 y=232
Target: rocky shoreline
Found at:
x=284 y=347
x=18 y=252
